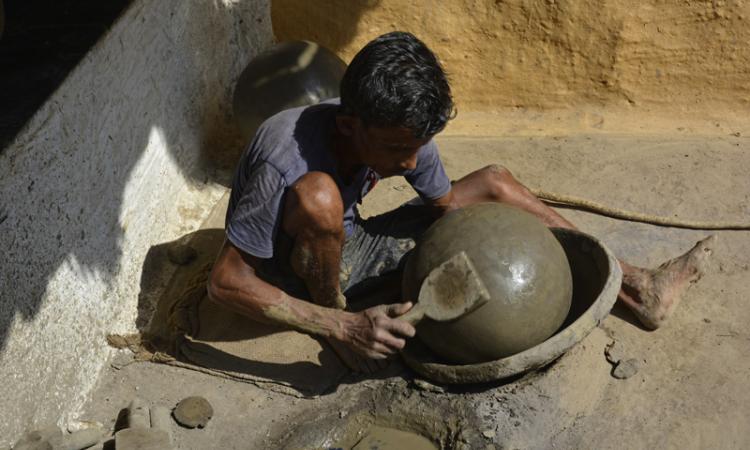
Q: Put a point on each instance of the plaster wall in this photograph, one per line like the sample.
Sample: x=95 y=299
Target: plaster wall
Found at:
x=680 y=55
x=118 y=160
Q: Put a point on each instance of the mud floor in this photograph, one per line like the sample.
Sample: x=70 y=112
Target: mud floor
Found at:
x=690 y=390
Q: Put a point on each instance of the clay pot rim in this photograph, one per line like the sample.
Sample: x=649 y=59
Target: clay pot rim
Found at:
x=423 y=363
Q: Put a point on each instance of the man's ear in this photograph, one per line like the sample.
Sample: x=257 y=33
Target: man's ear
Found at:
x=347 y=124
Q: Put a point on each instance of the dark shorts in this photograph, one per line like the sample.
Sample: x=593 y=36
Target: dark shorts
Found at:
x=375 y=248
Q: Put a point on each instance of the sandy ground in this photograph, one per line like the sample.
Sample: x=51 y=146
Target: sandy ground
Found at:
x=690 y=391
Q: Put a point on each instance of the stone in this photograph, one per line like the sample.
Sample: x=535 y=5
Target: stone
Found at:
x=289 y=74
x=138 y=414
x=142 y=439
x=181 y=254
x=626 y=369
x=78 y=440
x=524 y=268
x=37 y=439
x=193 y=412
x=160 y=419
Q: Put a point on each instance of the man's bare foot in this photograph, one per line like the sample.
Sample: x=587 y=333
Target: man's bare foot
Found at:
x=652 y=294
x=355 y=361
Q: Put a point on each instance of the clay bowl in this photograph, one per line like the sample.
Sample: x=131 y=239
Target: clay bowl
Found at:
x=596 y=283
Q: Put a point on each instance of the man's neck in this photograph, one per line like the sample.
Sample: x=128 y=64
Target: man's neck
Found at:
x=347 y=163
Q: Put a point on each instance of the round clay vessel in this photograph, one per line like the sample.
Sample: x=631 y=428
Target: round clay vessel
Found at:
x=290 y=74
x=521 y=263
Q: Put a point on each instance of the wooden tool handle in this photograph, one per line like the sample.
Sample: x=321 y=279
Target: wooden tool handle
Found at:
x=414 y=315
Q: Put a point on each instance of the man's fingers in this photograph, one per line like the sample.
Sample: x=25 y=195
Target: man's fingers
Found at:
x=380 y=350
x=397 y=309
x=388 y=340
x=400 y=328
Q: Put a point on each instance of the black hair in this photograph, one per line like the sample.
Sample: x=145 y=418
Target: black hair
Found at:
x=395 y=80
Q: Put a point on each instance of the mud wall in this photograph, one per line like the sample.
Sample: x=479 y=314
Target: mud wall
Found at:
x=117 y=161
x=673 y=54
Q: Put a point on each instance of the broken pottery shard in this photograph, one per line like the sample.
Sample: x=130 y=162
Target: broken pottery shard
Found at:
x=613 y=352
x=193 y=412
x=142 y=439
x=78 y=425
x=181 y=254
x=626 y=369
x=423 y=385
x=78 y=440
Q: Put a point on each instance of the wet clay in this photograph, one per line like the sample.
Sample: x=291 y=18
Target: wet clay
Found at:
x=523 y=267
x=382 y=438
x=386 y=417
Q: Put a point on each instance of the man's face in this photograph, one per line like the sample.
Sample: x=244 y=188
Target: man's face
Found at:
x=389 y=151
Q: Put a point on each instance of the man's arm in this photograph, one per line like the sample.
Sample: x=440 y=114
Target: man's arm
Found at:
x=374 y=332
x=444 y=204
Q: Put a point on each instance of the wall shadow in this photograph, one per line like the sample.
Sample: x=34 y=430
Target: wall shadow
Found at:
x=63 y=215
x=42 y=42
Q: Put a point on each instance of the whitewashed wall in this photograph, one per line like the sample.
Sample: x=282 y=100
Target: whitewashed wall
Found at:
x=112 y=164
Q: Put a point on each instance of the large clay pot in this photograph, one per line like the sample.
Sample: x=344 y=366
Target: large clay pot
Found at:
x=288 y=75
x=521 y=263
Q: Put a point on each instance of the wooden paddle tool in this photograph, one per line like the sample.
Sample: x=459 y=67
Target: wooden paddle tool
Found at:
x=451 y=290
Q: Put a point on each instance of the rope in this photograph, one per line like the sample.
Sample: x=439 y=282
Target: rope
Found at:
x=598 y=208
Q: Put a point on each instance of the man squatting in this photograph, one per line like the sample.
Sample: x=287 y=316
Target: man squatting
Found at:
x=295 y=247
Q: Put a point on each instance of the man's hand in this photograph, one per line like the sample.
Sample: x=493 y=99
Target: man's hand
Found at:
x=376 y=332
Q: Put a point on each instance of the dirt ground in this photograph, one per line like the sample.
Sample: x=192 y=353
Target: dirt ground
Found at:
x=690 y=391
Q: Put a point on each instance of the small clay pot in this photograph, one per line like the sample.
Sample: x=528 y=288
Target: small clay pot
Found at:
x=288 y=75
x=521 y=263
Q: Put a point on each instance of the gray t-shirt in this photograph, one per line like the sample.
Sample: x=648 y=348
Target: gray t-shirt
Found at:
x=289 y=145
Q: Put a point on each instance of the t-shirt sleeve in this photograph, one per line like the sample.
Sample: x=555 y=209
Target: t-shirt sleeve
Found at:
x=255 y=220
x=429 y=178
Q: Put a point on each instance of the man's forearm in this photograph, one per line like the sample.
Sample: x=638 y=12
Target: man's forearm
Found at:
x=264 y=302
x=307 y=317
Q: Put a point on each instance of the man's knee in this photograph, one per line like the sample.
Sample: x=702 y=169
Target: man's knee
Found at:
x=499 y=182
x=313 y=203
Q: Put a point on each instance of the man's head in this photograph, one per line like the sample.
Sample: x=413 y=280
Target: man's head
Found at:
x=394 y=96
x=396 y=81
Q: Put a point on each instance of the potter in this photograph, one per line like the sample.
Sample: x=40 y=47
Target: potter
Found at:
x=296 y=250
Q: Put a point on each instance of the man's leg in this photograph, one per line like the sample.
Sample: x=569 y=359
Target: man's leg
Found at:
x=313 y=217
x=651 y=294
